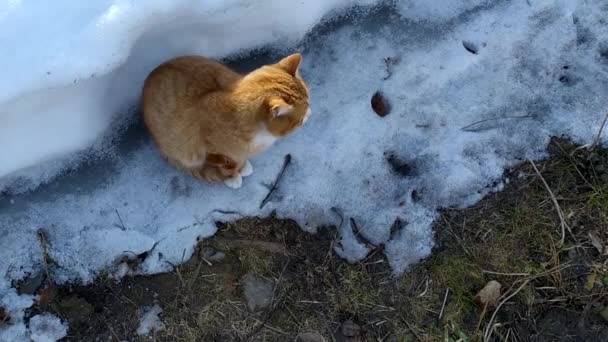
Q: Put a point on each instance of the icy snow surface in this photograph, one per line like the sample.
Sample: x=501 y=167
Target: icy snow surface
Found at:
x=475 y=87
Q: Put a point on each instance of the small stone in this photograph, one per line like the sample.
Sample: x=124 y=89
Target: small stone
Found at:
x=310 y=337
x=258 y=291
x=350 y=329
x=487 y=298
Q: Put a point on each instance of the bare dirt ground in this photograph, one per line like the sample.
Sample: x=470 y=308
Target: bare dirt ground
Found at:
x=266 y=280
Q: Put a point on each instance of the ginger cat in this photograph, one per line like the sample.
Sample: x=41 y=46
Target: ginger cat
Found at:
x=207 y=119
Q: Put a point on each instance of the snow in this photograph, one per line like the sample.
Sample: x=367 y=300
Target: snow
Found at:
x=150 y=321
x=47 y=328
x=475 y=87
x=15 y=305
x=41 y=328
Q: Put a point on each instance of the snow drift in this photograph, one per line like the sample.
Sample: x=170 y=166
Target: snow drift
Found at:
x=475 y=87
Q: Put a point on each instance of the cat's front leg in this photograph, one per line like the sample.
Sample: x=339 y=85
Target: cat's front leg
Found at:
x=234 y=182
x=247 y=169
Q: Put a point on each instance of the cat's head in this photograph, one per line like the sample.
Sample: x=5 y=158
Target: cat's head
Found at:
x=285 y=95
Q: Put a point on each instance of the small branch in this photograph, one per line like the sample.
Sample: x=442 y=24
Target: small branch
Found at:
x=409 y=326
x=597 y=140
x=445 y=299
x=275 y=185
x=45 y=254
x=560 y=213
x=276 y=286
x=465 y=128
x=122 y=224
x=489 y=328
x=426 y=287
x=360 y=238
x=506 y=274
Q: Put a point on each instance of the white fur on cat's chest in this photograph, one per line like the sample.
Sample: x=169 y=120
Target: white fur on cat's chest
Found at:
x=262 y=140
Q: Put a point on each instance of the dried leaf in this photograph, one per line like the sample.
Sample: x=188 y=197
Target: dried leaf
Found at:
x=380 y=105
x=597 y=242
x=590 y=281
x=46 y=295
x=488 y=296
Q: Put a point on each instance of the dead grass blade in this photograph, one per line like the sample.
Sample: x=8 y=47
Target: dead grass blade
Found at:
x=560 y=213
x=596 y=142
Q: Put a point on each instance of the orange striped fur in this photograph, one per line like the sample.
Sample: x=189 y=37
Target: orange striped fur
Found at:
x=208 y=120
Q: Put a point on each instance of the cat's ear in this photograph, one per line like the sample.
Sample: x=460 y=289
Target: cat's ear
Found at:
x=291 y=63
x=278 y=107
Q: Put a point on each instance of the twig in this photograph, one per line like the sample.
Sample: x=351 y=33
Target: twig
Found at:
x=275 y=185
x=596 y=142
x=426 y=287
x=45 y=254
x=493 y=119
x=409 y=326
x=195 y=275
x=358 y=236
x=560 y=213
x=526 y=280
x=489 y=328
x=506 y=274
x=122 y=224
x=481 y=316
x=273 y=307
x=276 y=286
x=445 y=299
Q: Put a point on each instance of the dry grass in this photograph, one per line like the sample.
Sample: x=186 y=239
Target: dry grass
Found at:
x=514 y=237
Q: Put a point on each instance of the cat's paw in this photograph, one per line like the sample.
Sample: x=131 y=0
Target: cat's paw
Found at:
x=247 y=169
x=234 y=182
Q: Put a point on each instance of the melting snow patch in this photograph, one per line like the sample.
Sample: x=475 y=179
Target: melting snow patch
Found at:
x=150 y=321
x=473 y=87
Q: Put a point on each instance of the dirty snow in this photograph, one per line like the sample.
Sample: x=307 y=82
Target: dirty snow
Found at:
x=40 y=328
x=475 y=87
x=150 y=321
